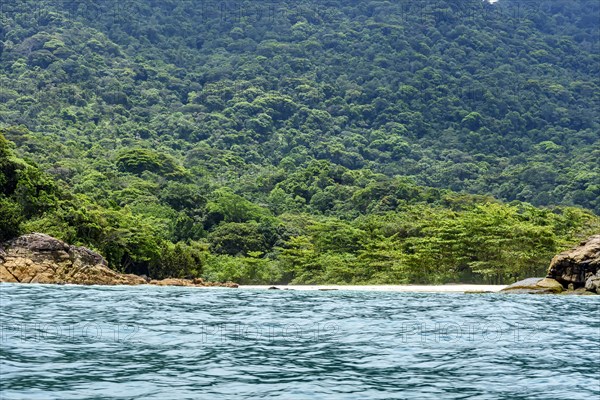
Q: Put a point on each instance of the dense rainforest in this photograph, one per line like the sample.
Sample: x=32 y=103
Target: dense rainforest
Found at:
x=303 y=141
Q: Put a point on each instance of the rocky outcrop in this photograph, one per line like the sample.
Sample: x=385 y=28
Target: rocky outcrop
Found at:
x=575 y=271
x=39 y=258
x=535 y=286
x=577 y=265
x=592 y=283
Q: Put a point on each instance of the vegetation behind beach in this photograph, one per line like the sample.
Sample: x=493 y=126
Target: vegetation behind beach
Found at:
x=351 y=142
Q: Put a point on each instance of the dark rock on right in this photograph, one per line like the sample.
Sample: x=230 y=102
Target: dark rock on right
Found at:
x=593 y=283
x=578 y=266
x=575 y=271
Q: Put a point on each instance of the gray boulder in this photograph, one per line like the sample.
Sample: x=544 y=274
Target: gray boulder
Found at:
x=535 y=286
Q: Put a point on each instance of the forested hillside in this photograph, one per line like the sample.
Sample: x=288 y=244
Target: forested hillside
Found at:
x=337 y=141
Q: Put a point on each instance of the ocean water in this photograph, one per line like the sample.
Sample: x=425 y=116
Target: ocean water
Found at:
x=70 y=342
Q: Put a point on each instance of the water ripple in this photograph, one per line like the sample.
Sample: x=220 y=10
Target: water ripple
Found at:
x=71 y=342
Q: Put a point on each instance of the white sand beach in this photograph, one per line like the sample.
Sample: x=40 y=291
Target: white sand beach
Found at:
x=457 y=288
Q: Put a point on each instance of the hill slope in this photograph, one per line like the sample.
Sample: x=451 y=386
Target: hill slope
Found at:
x=144 y=113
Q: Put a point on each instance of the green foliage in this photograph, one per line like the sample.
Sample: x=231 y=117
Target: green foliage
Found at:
x=11 y=216
x=228 y=207
x=459 y=105
x=181 y=196
x=178 y=261
x=138 y=160
x=25 y=191
x=249 y=270
x=235 y=238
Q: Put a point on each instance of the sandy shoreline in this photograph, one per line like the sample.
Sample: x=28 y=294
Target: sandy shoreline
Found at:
x=459 y=288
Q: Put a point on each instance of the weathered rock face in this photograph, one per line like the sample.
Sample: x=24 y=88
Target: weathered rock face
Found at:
x=576 y=271
x=577 y=265
x=39 y=258
x=593 y=283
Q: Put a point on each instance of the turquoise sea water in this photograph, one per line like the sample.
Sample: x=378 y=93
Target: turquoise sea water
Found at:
x=70 y=342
